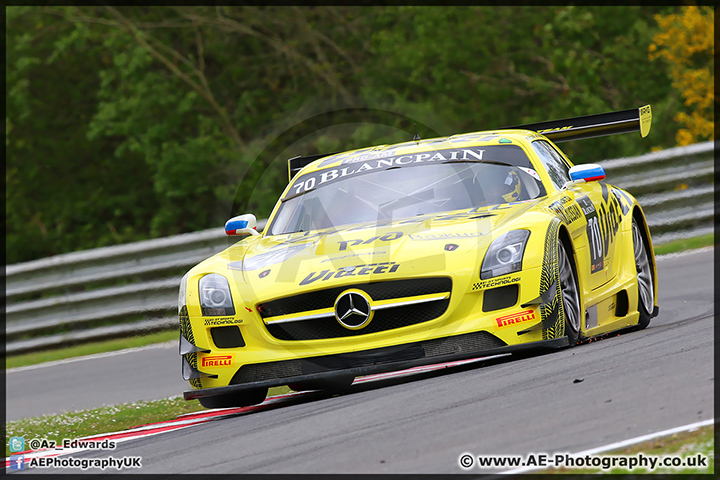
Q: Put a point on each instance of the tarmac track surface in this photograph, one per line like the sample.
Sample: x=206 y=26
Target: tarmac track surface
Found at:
x=620 y=387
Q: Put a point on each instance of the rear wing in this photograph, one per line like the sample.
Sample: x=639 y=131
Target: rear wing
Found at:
x=578 y=128
x=296 y=164
x=591 y=126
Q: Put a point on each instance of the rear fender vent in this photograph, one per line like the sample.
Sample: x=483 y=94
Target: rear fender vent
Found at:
x=621 y=304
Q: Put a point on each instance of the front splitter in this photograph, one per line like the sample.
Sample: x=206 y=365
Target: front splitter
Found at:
x=387 y=365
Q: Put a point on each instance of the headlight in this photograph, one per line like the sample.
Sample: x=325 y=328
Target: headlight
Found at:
x=505 y=254
x=215 y=298
x=182 y=298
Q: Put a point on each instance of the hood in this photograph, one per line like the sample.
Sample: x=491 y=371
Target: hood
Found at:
x=277 y=265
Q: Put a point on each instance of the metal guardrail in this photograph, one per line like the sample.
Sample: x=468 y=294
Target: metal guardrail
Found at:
x=75 y=297
x=674 y=187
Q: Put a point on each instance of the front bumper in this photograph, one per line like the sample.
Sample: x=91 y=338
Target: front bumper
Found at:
x=365 y=362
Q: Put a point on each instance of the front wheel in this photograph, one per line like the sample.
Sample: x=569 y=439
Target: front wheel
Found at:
x=646 y=295
x=570 y=296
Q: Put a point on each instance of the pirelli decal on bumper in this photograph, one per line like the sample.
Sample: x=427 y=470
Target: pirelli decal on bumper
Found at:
x=512 y=319
x=217 y=361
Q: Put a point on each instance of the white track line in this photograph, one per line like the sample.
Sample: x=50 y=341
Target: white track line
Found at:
x=624 y=443
x=685 y=253
x=170 y=344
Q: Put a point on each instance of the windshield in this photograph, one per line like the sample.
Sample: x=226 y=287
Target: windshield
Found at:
x=398 y=193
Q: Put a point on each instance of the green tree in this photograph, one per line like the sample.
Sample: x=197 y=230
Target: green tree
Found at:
x=125 y=123
x=62 y=189
x=686 y=42
x=501 y=66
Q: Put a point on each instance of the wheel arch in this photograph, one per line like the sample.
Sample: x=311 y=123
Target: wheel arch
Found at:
x=566 y=239
x=639 y=216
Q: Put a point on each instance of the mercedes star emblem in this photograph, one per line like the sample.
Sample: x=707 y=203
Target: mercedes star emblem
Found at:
x=352 y=309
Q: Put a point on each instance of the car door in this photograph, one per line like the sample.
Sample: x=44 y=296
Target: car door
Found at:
x=604 y=207
x=587 y=210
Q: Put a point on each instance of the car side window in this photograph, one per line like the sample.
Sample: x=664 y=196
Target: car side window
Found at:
x=554 y=163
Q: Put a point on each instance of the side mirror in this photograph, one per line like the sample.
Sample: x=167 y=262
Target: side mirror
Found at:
x=589 y=172
x=242 y=225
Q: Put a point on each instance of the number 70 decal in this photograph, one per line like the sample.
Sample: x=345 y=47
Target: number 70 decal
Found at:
x=593 y=232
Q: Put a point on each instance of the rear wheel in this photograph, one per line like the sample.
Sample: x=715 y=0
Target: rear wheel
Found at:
x=232 y=400
x=570 y=295
x=646 y=295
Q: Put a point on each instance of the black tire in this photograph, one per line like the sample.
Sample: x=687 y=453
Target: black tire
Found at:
x=646 y=292
x=570 y=295
x=338 y=384
x=232 y=400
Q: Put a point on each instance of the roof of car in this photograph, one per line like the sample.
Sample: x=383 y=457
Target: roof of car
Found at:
x=575 y=128
x=473 y=139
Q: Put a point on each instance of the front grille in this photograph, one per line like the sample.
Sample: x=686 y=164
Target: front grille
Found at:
x=385 y=319
x=316 y=300
x=469 y=343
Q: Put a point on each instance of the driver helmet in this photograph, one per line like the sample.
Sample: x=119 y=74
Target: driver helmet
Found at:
x=501 y=185
x=512 y=182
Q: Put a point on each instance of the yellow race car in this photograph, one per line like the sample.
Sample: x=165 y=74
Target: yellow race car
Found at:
x=422 y=252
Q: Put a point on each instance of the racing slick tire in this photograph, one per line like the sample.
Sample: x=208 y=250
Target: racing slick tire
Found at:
x=570 y=295
x=232 y=400
x=646 y=298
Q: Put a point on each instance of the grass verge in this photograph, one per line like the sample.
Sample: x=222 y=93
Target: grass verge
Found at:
x=89 y=349
x=122 y=417
x=685 y=244
x=684 y=445
x=96 y=421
